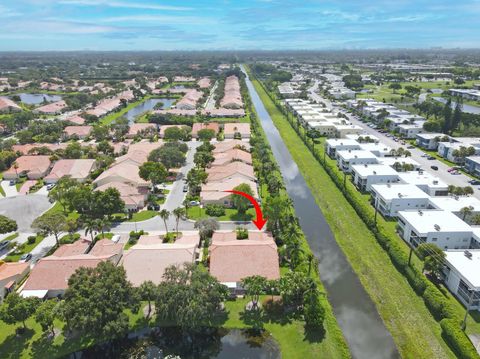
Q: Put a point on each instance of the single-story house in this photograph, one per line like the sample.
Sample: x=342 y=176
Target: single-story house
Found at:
x=223 y=158
x=233 y=169
x=77 y=131
x=240 y=129
x=228 y=145
x=7 y=105
x=76 y=169
x=76 y=120
x=134 y=197
x=148 y=259
x=214 y=126
x=232 y=260
x=53 y=108
x=34 y=167
x=141 y=128
x=10 y=275
x=214 y=192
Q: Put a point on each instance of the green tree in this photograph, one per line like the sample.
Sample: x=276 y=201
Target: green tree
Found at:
x=63 y=192
x=466 y=211
x=46 y=314
x=206 y=227
x=7 y=225
x=294 y=286
x=205 y=134
x=51 y=224
x=164 y=215
x=16 y=309
x=148 y=291
x=313 y=311
x=395 y=87
x=96 y=301
x=433 y=257
x=169 y=156
x=179 y=213
x=254 y=286
x=239 y=202
x=153 y=171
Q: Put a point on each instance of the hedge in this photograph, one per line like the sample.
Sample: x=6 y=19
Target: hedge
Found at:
x=457 y=339
x=438 y=305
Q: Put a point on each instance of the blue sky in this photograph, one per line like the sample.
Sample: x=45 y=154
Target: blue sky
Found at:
x=239 y=24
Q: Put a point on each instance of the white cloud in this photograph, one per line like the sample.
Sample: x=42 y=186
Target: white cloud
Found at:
x=124 y=4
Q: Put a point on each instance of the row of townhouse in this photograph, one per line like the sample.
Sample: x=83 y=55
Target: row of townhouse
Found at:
x=336 y=87
x=407 y=124
x=313 y=116
x=425 y=212
x=230 y=261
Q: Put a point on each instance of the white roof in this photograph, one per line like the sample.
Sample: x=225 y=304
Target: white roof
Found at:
x=398 y=190
x=475 y=159
x=427 y=221
x=455 y=204
x=422 y=178
x=469 y=268
x=374 y=170
x=390 y=161
x=380 y=147
x=41 y=293
x=355 y=136
x=429 y=136
x=350 y=154
x=334 y=142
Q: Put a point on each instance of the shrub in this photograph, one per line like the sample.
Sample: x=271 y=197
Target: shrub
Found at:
x=214 y=210
x=242 y=233
x=7 y=225
x=435 y=302
x=416 y=279
x=457 y=339
x=31 y=239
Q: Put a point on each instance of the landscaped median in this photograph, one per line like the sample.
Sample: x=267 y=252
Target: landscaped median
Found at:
x=414 y=329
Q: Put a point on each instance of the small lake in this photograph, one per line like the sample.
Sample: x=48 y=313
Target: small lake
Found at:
x=148 y=105
x=36 y=99
x=212 y=344
x=466 y=108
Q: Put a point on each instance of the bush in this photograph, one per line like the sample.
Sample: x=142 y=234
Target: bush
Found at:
x=134 y=236
x=242 y=233
x=7 y=225
x=416 y=279
x=457 y=339
x=31 y=239
x=436 y=302
x=214 y=210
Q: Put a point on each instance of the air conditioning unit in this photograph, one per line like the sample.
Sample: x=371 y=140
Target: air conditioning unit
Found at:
x=468 y=254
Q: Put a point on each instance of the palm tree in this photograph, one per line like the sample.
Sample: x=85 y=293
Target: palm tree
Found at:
x=91 y=226
x=294 y=250
x=15 y=167
x=178 y=212
x=164 y=214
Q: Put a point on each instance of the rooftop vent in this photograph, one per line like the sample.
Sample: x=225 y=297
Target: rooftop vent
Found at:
x=374 y=172
x=435 y=182
x=468 y=254
x=437 y=227
x=420 y=212
x=400 y=195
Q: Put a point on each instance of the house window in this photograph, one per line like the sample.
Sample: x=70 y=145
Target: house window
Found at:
x=434 y=239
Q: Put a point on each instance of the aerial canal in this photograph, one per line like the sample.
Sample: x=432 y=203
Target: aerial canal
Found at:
x=356 y=314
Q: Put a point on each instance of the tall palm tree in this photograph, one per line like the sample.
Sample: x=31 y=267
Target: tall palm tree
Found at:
x=178 y=212
x=164 y=215
x=294 y=251
x=91 y=226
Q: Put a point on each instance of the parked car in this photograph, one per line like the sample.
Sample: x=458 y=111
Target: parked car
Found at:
x=50 y=186
x=25 y=258
x=430 y=158
x=435 y=168
x=153 y=207
x=185 y=188
x=474 y=182
x=4 y=244
x=410 y=147
x=451 y=169
x=194 y=203
x=12 y=182
x=115 y=238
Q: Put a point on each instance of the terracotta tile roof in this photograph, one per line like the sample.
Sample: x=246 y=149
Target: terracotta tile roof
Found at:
x=106 y=248
x=232 y=128
x=80 y=131
x=25 y=149
x=73 y=249
x=77 y=120
x=223 y=158
x=137 y=128
x=6 y=104
x=77 y=169
x=205 y=126
x=232 y=169
x=54 y=107
x=32 y=165
x=8 y=270
x=204 y=82
x=231 y=260
x=227 y=145
x=232 y=97
x=163 y=128
x=144 y=262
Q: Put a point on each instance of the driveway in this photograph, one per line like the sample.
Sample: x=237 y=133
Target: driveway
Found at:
x=24 y=209
x=10 y=191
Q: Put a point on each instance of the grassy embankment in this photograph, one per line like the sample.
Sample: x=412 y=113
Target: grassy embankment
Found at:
x=415 y=332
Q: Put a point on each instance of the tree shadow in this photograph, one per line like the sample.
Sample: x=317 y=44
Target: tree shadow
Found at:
x=253 y=318
x=14 y=345
x=314 y=335
x=276 y=312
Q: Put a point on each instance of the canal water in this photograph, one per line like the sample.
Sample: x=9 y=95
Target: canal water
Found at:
x=36 y=99
x=148 y=105
x=366 y=335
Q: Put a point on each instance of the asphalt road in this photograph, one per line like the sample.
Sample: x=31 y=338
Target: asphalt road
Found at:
x=24 y=209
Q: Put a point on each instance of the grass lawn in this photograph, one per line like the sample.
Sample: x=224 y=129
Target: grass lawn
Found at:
x=20 y=183
x=57 y=208
x=230 y=214
x=414 y=330
x=142 y=216
x=15 y=256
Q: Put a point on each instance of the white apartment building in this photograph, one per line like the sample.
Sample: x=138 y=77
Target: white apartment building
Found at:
x=442 y=228
x=455 y=204
x=333 y=145
x=428 y=183
x=389 y=199
x=346 y=159
x=462 y=268
x=364 y=176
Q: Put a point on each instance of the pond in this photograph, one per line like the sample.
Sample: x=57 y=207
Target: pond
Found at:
x=148 y=105
x=466 y=108
x=212 y=343
x=36 y=99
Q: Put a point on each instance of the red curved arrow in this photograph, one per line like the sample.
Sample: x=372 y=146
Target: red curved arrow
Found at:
x=260 y=221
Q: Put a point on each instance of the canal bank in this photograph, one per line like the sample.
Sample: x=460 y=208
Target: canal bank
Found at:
x=412 y=326
x=353 y=307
